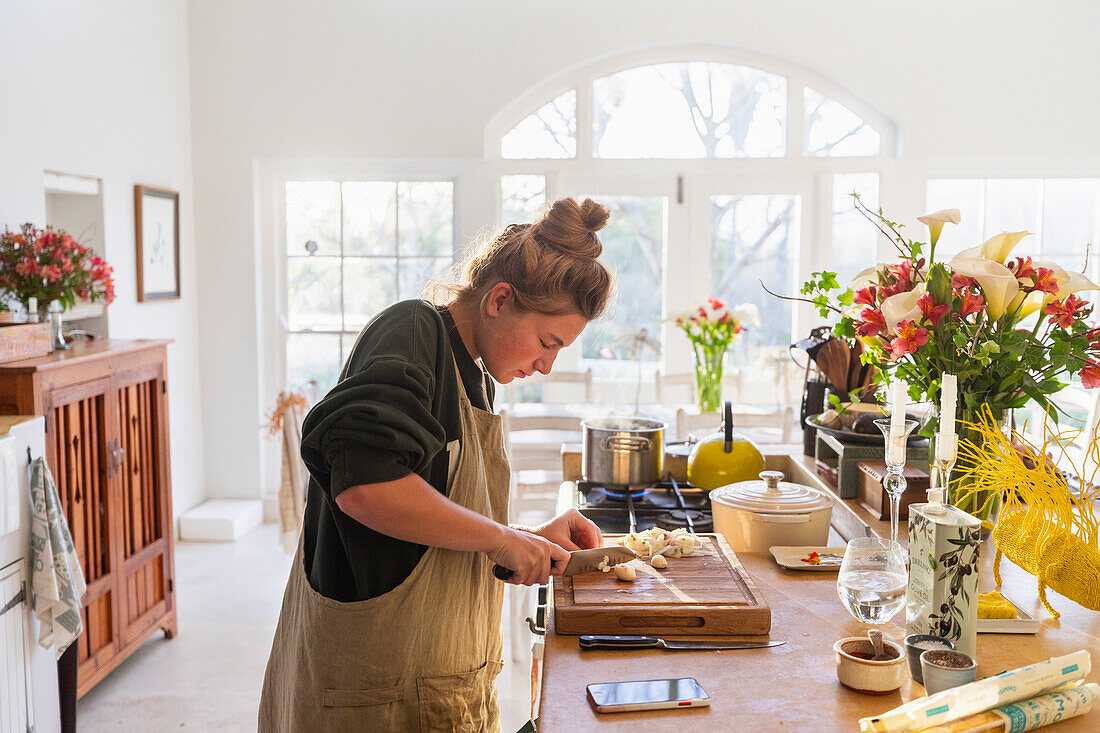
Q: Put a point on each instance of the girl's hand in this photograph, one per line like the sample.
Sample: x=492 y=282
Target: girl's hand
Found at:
x=572 y=531
x=531 y=558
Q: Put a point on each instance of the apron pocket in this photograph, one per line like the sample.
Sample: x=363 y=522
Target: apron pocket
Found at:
x=361 y=698
x=463 y=702
x=379 y=709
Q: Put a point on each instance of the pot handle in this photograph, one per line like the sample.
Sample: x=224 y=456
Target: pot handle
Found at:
x=619 y=442
x=784 y=518
x=727 y=426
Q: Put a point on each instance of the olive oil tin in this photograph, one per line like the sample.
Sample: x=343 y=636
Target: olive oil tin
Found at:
x=942 y=596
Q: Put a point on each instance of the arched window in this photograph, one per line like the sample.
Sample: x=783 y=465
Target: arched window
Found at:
x=724 y=171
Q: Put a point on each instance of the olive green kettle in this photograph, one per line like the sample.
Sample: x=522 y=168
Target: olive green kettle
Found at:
x=724 y=457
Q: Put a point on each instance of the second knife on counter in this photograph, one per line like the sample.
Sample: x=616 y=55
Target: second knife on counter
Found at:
x=596 y=641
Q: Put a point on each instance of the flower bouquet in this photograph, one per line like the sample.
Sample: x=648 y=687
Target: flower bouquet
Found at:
x=711 y=327
x=1012 y=330
x=48 y=265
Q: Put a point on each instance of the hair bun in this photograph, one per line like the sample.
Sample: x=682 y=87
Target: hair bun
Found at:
x=571 y=227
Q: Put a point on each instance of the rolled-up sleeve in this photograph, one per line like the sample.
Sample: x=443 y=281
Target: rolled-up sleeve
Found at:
x=376 y=425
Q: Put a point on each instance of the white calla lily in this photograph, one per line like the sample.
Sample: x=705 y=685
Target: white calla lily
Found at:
x=935 y=222
x=998 y=283
x=868 y=276
x=999 y=246
x=902 y=307
x=1075 y=283
x=1032 y=302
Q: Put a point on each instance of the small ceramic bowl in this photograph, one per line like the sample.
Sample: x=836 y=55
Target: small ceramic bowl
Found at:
x=943 y=669
x=856 y=670
x=915 y=644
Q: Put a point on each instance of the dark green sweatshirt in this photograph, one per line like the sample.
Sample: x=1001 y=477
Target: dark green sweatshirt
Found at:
x=393 y=412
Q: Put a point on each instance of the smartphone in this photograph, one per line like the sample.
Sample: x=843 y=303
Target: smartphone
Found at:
x=621 y=697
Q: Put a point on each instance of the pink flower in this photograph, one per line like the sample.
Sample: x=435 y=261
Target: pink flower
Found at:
x=873 y=323
x=1090 y=375
x=1045 y=280
x=962 y=282
x=932 y=312
x=715 y=303
x=909 y=338
x=971 y=303
x=1023 y=270
x=866 y=296
x=1064 y=313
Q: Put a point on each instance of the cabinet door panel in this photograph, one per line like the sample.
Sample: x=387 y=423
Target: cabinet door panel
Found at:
x=143 y=496
x=77 y=425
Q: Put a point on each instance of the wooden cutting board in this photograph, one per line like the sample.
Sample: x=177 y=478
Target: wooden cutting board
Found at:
x=706 y=593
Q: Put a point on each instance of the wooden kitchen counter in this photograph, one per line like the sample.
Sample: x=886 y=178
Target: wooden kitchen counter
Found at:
x=794 y=687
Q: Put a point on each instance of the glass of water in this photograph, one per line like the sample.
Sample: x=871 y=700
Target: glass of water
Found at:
x=872 y=579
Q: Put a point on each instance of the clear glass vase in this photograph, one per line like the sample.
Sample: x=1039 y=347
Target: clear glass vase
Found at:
x=708 y=377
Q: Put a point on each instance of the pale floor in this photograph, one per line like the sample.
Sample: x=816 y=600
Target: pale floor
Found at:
x=208 y=678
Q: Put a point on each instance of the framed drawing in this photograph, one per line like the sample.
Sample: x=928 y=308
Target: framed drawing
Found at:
x=157 y=234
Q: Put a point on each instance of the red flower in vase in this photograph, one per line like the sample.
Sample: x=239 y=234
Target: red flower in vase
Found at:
x=909 y=338
x=971 y=303
x=932 y=312
x=1090 y=375
x=873 y=323
x=1064 y=313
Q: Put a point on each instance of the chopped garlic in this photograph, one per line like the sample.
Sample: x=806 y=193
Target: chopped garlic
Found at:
x=603 y=566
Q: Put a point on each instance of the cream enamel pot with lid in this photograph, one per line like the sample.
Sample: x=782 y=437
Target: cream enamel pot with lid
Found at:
x=756 y=515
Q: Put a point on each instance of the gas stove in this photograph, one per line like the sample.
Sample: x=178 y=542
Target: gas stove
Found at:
x=669 y=504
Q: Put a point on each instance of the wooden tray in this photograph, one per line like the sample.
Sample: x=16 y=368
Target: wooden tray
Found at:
x=706 y=593
x=24 y=341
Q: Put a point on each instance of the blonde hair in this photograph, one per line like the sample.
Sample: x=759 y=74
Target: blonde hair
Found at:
x=551 y=264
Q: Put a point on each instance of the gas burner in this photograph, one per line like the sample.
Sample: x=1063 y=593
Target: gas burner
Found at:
x=678 y=518
x=620 y=493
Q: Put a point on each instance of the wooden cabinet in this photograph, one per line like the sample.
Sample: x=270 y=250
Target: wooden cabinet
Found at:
x=105 y=405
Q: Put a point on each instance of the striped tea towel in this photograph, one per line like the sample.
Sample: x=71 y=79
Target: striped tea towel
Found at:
x=56 y=576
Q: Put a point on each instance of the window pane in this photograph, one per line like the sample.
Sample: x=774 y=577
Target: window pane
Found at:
x=312 y=214
x=690 y=110
x=753 y=239
x=1070 y=223
x=633 y=247
x=966 y=195
x=313 y=356
x=831 y=129
x=370 y=285
x=855 y=240
x=413 y=275
x=551 y=132
x=522 y=198
x=1013 y=205
x=370 y=217
x=426 y=217
x=313 y=293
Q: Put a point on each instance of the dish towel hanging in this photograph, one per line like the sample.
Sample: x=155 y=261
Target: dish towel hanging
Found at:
x=56 y=576
x=287 y=420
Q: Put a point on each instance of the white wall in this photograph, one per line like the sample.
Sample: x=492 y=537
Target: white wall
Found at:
x=1008 y=83
x=101 y=89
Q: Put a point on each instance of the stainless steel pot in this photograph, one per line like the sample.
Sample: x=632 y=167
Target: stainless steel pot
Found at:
x=623 y=451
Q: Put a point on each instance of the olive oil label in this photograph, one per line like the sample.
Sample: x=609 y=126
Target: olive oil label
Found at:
x=942 y=596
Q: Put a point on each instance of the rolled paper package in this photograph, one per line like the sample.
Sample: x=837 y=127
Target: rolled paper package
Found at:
x=976 y=697
x=1026 y=715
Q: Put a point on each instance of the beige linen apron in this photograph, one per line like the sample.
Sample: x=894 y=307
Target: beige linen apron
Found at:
x=422 y=657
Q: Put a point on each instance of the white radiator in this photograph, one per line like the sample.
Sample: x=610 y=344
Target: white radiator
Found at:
x=15 y=694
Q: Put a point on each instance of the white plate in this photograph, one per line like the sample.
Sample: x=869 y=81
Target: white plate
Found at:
x=790 y=557
x=1022 y=624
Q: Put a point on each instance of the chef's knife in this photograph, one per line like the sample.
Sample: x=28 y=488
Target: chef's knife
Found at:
x=583 y=561
x=653 y=642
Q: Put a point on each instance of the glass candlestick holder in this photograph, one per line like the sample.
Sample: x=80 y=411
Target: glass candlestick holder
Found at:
x=894 y=483
x=947 y=452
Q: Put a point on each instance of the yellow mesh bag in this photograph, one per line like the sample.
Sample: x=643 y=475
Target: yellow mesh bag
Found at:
x=1042 y=527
